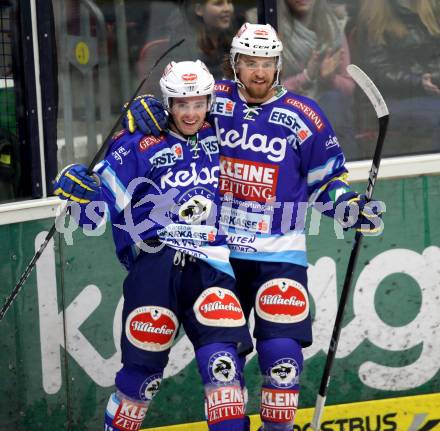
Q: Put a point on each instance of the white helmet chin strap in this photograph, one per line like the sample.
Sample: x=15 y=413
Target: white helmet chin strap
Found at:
x=236 y=79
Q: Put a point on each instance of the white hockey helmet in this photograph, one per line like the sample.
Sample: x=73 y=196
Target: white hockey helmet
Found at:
x=187 y=79
x=257 y=40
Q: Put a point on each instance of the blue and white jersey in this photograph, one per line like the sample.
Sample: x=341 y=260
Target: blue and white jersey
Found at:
x=164 y=189
x=276 y=158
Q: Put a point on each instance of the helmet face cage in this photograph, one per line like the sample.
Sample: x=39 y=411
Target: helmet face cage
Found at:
x=256 y=40
x=186 y=79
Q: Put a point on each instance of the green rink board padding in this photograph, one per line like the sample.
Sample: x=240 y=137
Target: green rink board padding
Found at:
x=59 y=345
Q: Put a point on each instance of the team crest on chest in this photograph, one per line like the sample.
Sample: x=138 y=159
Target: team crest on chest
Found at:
x=250 y=112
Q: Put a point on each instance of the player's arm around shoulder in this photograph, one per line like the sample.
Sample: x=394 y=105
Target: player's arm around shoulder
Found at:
x=127 y=162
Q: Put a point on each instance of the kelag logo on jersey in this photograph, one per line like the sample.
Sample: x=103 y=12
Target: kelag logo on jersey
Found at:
x=186 y=178
x=275 y=148
x=292 y=121
x=223 y=106
x=167 y=156
x=248 y=180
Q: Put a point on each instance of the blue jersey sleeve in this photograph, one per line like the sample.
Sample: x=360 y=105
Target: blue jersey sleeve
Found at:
x=125 y=163
x=322 y=159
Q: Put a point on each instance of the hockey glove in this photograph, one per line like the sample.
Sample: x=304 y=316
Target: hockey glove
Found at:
x=73 y=184
x=147 y=115
x=355 y=211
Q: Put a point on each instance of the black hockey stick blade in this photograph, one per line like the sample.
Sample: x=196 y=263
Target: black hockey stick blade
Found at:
x=382 y=113
x=22 y=280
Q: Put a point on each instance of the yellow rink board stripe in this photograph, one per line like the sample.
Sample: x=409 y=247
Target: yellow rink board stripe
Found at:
x=416 y=413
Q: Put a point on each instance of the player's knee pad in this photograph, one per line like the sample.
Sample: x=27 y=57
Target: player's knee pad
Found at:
x=281 y=363
x=220 y=369
x=135 y=388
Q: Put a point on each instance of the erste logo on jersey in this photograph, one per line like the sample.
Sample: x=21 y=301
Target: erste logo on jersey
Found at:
x=167 y=156
x=218 y=306
x=252 y=181
x=148 y=141
x=222 y=88
x=293 y=122
x=278 y=405
x=210 y=145
x=151 y=328
x=308 y=111
x=282 y=300
x=222 y=368
x=223 y=106
x=274 y=148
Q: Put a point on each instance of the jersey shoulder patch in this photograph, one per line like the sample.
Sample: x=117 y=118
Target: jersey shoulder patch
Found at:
x=205 y=126
x=148 y=142
x=308 y=108
x=119 y=134
x=224 y=87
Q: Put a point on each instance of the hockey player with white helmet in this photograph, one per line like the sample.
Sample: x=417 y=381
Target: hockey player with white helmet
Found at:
x=278 y=154
x=161 y=193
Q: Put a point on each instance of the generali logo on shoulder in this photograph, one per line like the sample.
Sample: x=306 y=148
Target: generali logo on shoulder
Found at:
x=307 y=110
x=223 y=88
x=148 y=141
x=151 y=328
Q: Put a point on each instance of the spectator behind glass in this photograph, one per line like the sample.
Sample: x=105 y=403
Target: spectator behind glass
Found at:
x=207 y=27
x=316 y=54
x=399 y=45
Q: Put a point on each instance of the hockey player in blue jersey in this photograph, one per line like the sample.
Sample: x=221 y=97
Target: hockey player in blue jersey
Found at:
x=278 y=155
x=161 y=193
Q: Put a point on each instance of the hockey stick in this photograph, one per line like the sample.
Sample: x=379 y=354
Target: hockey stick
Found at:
x=10 y=299
x=373 y=94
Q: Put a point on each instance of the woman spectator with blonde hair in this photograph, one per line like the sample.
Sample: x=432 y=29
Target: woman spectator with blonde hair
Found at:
x=399 y=46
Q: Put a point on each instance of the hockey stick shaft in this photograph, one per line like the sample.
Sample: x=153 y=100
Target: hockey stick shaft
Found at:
x=22 y=280
x=383 y=117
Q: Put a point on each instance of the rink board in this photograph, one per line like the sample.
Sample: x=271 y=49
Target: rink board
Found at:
x=59 y=349
x=416 y=413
